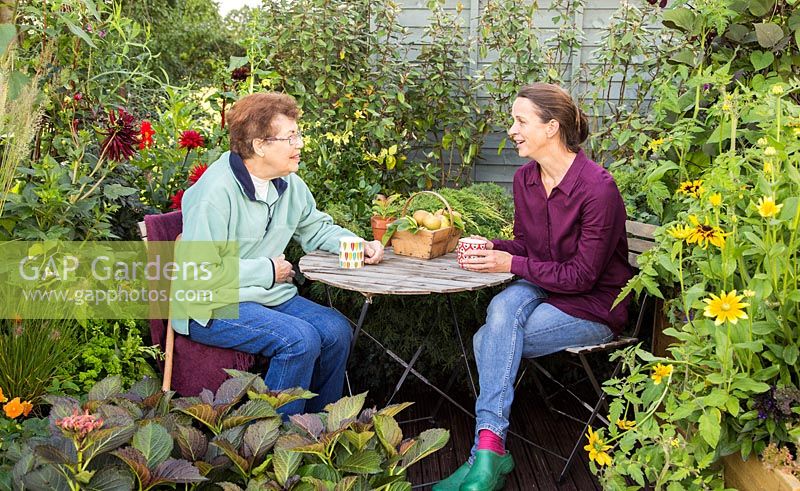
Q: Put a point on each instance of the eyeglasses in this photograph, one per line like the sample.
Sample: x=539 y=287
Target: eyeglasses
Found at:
x=294 y=140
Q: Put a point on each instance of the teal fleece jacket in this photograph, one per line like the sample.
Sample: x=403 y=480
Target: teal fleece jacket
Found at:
x=222 y=207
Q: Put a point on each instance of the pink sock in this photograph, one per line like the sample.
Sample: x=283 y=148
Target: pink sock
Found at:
x=487 y=440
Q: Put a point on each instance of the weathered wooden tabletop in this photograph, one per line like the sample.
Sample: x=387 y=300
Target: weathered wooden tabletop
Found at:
x=399 y=275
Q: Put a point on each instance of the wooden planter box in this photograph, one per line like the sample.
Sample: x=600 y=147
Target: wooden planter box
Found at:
x=753 y=475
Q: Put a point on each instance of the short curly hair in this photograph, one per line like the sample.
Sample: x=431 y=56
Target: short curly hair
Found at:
x=251 y=117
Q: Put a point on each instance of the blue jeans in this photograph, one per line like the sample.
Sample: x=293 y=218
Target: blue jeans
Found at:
x=520 y=325
x=307 y=345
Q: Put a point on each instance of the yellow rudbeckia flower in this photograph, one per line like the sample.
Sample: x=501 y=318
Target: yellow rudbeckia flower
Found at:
x=767 y=207
x=597 y=449
x=725 y=307
x=659 y=372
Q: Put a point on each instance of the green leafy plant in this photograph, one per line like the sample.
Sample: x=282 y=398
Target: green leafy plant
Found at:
x=107 y=348
x=145 y=438
x=386 y=206
x=32 y=353
x=719 y=151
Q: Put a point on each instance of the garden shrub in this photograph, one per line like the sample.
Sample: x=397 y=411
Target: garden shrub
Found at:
x=715 y=158
x=108 y=348
x=145 y=438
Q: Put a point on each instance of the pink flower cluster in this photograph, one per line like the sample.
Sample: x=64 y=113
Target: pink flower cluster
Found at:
x=79 y=424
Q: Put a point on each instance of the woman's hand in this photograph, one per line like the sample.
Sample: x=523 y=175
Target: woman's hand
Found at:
x=488 y=261
x=489 y=244
x=284 y=272
x=373 y=251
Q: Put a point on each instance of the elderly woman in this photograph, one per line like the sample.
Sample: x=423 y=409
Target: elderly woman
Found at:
x=252 y=197
x=571 y=251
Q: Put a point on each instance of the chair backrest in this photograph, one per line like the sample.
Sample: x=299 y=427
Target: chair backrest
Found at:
x=640 y=239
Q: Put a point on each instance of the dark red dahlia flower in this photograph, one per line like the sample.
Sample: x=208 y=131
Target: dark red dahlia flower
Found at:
x=146 y=133
x=176 y=200
x=240 y=73
x=190 y=139
x=121 y=137
x=197 y=172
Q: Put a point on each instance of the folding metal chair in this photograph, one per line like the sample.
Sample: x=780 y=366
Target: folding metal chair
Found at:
x=640 y=239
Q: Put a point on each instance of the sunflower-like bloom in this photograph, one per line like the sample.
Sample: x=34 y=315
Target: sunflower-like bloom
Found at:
x=3 y=398
x=692 y=188
x=767 y=207
x=597 y=449
x=725 y=307
x=680 y=232
x=659 y=372
x=715 y=200
x=655 y=144
x=703 y=234
x=625 y=425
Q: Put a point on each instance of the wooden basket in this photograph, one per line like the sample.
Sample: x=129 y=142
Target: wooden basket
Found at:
x=426 y=244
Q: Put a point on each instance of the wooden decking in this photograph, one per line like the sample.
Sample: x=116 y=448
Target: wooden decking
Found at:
x=535 y=470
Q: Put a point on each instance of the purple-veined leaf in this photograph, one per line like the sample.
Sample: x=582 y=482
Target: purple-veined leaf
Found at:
x=249 y=411
x=46 y=477
x=366 y=462
x=203 y=413
x=394 y=409
x=136 y=462
x=358 y=439
x=389 y=433
x=112 y=478
x=107 y=439
x=114 y=415
x=290 y=441
x=52 y=454
x=310 y=423
x=428 y=442
x=191 y=442
x=106 y=388
x=260 y=436
x=144 y=388
x=229 y=450
x=344 y=410
x=154 y=442
x=285 y=463
x=207 y=397
x=233 y=389
x=176 y=471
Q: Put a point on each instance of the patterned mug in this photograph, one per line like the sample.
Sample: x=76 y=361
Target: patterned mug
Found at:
x=465 y=246
x=351 y=252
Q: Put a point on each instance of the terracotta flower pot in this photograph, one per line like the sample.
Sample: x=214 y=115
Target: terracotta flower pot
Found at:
x=379 y=226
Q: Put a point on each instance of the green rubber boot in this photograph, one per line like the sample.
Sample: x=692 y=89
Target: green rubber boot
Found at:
x=454 y=480
x=488 y=472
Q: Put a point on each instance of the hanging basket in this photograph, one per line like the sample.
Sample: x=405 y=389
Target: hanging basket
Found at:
x=426 y=244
